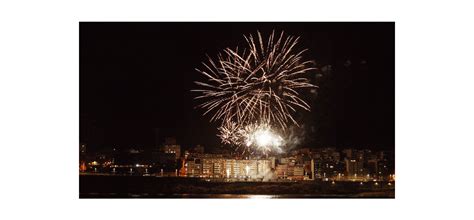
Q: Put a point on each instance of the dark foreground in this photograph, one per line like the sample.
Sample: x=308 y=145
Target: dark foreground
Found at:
x=91 y=186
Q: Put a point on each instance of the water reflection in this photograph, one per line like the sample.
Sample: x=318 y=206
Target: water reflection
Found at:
x=259 y=196
x=238 y=196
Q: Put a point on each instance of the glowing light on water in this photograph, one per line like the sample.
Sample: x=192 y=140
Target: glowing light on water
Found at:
x=260 y=196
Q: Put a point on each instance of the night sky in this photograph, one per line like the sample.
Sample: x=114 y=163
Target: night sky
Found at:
x=135 y=82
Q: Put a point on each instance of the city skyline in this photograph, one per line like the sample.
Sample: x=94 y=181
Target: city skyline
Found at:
x=197 y=173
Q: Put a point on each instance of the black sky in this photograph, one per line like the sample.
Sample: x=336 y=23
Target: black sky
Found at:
x=135 y=81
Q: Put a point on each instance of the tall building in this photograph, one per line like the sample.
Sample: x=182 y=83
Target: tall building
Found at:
x=354 y=167
x=194 y=168
x=372 y=166
x=281 y=171
x=347 y=153
x=207 y=167
x=336 y=156
x=171 y=147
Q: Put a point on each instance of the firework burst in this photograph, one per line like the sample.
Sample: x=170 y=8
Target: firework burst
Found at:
x=255 y=86
x=259 y=137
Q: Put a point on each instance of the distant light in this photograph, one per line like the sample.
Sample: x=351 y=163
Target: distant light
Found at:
x=137 y=165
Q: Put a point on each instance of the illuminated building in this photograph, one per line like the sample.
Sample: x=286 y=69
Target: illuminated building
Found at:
x=272 y=161
x=193 y=168
x=232 y=168
x=83 y=167
x=218 y=167
x=281 y=171
x=372 y=166
x=208 y=167
x=172 y=149
x=354 y=168
x=297 y=173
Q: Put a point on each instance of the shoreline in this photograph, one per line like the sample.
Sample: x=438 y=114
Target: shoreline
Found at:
x=102 y=186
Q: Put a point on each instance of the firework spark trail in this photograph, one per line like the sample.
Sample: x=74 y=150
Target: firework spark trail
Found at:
x=256 y=86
